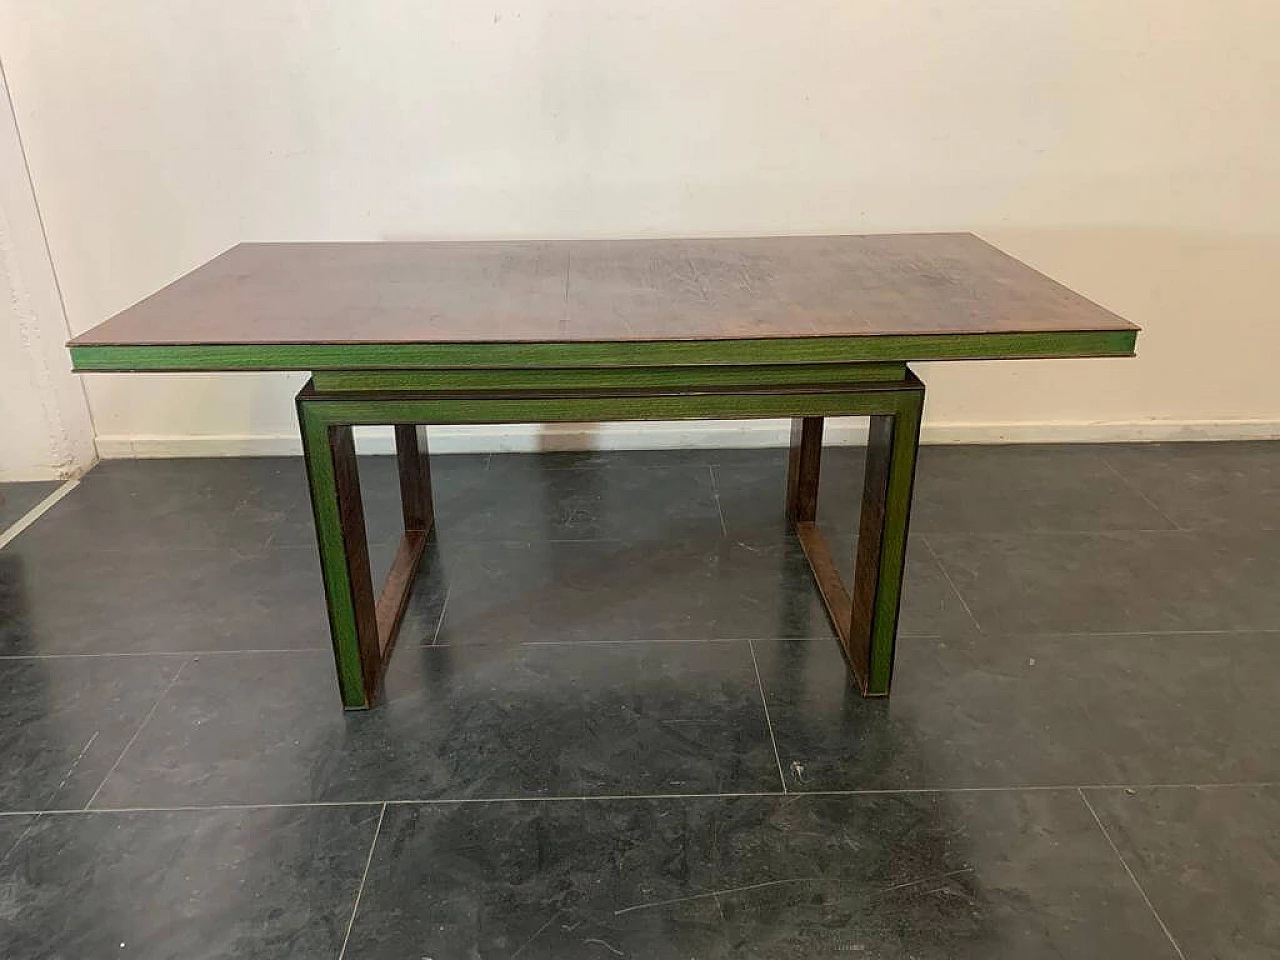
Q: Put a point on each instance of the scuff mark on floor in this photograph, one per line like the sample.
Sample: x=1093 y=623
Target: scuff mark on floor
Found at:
x=536 y=934
x=932 y=878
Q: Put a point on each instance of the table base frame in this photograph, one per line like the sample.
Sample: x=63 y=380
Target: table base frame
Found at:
x=364 y=625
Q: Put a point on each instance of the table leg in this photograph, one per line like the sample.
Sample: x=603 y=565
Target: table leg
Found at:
x=415 y=477
x=344 y=556
x=803 y=465
x=415 y=504
x=866 y=616
x=882 y=542
x=363 y=628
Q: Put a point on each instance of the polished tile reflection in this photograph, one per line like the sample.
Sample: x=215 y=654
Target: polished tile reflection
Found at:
x=594 y=719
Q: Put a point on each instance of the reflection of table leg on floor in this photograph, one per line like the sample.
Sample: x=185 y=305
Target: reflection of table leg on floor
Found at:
x=364 y=624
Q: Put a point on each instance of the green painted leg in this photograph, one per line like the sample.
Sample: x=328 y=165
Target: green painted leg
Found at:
x=882 y=542
x=344 y=559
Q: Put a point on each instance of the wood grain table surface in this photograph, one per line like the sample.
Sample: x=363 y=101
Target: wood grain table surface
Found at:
x=925 y=286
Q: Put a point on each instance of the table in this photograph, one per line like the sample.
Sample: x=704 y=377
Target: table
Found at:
x=413 y=334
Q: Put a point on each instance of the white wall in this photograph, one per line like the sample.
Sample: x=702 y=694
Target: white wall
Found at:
x=1129 y=149
x=45 y=428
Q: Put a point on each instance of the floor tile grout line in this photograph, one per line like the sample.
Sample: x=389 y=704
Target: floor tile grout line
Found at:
x=979 y=534
x=155 y=653
x=258 y=651
x=355 y=907
x=1142 y=633
x=444 y=605
x=137 y=733
x=1012 y=634
x=580 y=643
x=630 y=640
x=952 y=584
x=232 y=549
x=1039 y=635
x=197 y=808
x=1108 y=532
x=671 y=640
x=1043 y=788
x=764 y=702
x=615 y=798
x=574 y=643
x=1132 y=876
x=1134 y=488
x=35 y=513
x=715 y=495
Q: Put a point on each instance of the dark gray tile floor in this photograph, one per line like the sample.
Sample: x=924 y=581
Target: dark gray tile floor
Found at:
x=617 y=723
x=189 y=883
x=18 y=497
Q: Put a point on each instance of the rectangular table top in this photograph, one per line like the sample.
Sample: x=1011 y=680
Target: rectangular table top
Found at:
x=271 y=306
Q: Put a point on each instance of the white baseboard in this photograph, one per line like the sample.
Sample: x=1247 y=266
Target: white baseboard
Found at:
x=1115 y=431
x=503 y=438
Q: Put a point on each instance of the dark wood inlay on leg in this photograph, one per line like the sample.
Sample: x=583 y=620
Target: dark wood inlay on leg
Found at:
x=415 y=500
x=803 y=466
x=395 y=590
x=834 y=593
x=415 y=477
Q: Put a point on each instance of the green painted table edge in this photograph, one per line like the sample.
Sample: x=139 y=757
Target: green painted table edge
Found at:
x=597 y=378
x=391 y=408
x=178 y=358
